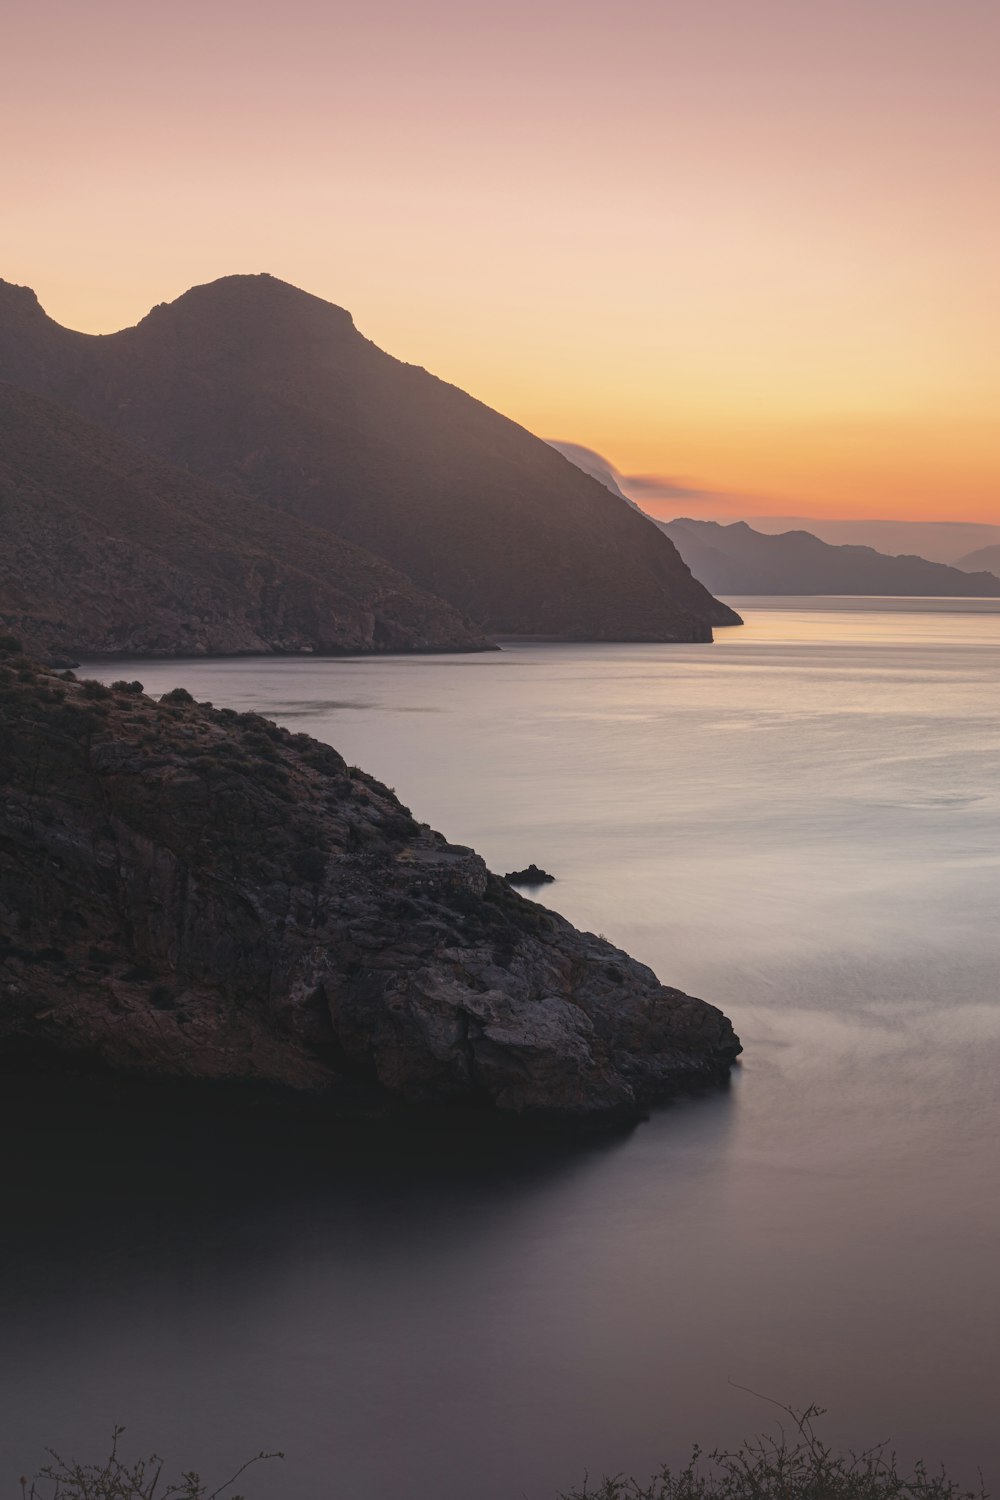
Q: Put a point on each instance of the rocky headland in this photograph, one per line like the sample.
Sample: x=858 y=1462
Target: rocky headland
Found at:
x=192 y=893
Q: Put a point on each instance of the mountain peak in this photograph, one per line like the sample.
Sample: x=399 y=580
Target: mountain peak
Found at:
x=16 y=298
x=266 y=390
x=258 y=296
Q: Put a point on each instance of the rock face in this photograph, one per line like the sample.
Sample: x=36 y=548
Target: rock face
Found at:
x=106 y=551
x=194 y=893
x=266 y=390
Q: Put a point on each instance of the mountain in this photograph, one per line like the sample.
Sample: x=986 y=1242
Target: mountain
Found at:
x=937 y=541
x=193 y=893
x=266 y=390
x=738 y=560
x=982 y=557
x=104 y=550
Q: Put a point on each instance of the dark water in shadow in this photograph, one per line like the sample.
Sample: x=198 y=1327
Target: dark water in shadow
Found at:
x=802 y=824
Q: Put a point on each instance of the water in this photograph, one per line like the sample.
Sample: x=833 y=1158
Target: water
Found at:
x=800 y=823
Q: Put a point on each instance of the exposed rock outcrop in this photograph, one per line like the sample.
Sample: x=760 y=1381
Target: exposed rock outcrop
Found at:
x=199 y=894
x=531 y=875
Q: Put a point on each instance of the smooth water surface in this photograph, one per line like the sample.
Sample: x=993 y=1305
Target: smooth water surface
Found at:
x=800 y=823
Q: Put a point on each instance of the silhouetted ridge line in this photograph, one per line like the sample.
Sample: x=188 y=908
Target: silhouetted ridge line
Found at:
x=735 y=559
x=265 y=389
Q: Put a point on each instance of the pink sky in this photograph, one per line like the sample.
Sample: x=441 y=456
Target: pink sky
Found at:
x=754 y=246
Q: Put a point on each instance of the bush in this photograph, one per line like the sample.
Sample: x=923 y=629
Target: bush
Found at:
x=794 y=1465
x=114 y=1479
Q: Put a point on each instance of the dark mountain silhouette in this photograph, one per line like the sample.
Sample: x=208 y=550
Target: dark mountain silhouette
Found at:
x=983 y=557
x=103 y=549
x=262 y=388
x=736 y=559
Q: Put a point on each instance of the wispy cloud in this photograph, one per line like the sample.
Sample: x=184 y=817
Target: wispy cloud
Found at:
x=664 y=496
x=662 y=487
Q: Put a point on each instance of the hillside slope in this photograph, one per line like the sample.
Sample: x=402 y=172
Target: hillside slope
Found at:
x=103 y=550
x=260 y=387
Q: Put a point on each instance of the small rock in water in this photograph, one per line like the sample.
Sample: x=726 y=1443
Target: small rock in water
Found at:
x=531 y=876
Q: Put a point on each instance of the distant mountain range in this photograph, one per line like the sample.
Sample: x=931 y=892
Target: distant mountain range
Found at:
x=274 y=398
x=104 y=550
x=982 y=557
x=736 y=559
x=938 y=541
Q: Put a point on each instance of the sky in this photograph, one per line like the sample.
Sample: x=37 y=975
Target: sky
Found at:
x=746 y=249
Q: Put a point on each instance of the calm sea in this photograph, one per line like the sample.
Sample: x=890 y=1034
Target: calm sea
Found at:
x=800 y=823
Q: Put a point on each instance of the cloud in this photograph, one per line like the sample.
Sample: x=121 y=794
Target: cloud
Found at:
x=594 y=464
x=663 y=487
x=665 y=497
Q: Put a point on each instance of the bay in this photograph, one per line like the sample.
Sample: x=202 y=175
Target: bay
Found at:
x=800 y=823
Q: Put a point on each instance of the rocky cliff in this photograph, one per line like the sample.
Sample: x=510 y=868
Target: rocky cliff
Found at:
x=263 y=389
x=194 y=893
x=106 y=551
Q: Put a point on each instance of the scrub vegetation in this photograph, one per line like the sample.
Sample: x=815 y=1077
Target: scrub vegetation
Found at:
x=793 y=1463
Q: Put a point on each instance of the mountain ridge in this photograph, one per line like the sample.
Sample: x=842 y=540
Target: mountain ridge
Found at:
x=736 y=559
x=259 y=387
x=981 y=557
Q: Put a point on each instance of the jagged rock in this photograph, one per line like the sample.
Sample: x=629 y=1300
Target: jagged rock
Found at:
x=196 y=893
x=530 y=876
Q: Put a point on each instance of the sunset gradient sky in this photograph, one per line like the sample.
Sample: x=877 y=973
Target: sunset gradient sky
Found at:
x=750 y=244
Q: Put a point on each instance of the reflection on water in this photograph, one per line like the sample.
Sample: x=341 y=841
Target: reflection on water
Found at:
x=800 y=823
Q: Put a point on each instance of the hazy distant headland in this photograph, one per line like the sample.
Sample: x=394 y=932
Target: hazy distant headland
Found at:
x=736 y=559
x=271 y=418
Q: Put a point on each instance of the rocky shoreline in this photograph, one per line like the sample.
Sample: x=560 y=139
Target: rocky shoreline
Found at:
x=196 y=894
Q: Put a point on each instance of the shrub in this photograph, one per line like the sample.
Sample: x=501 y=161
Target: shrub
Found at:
x=114 y=1479
x=794 y=1465
x=92 y=689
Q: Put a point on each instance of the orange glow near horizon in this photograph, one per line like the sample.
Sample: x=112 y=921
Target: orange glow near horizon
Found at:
x=755 y=249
